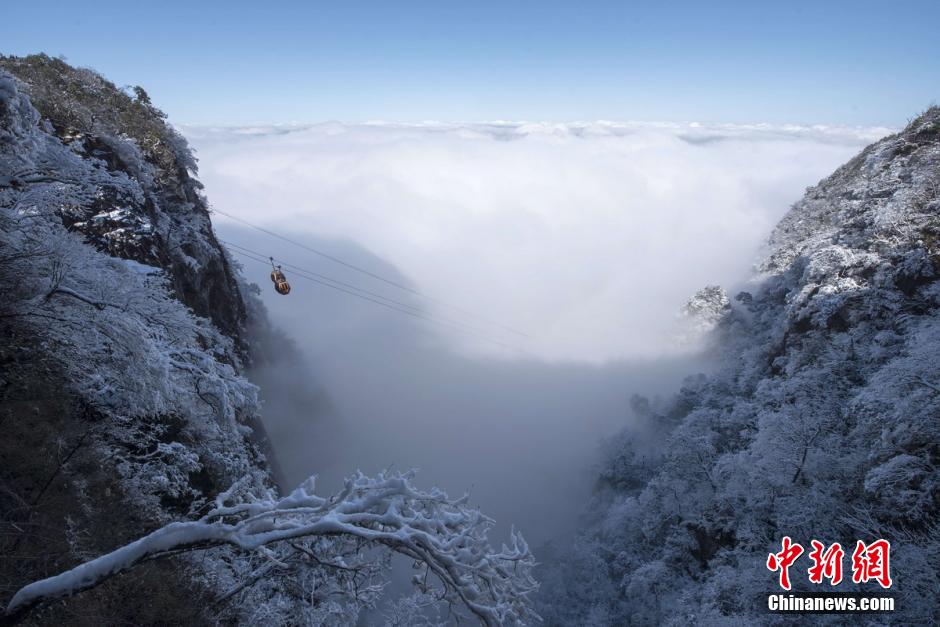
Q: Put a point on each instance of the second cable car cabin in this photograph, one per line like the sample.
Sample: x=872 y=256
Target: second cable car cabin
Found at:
x=281 y=286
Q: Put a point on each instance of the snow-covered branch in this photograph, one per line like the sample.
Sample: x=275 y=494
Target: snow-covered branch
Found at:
x=446 y=536
x=64 y=291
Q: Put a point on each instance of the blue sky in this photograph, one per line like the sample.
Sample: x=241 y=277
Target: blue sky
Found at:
x=860 y=62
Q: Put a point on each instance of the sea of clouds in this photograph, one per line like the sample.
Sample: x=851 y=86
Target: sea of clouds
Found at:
x=588 y=237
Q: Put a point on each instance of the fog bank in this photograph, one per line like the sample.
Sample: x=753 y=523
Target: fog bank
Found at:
x=387 y=390
x=586 y=237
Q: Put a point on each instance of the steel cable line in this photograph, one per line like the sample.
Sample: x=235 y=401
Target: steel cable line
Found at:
x=417 y=314
x=240 y=248
x=322 y=277
x=368 y=273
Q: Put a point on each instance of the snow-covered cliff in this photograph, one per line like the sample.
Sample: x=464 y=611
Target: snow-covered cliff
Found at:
x=122 y=345
x=146 y=204
x=823 y=423
x=130 y=432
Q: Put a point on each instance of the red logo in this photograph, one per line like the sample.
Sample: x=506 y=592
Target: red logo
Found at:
x=783 y=560
x=870 y=562
x=826 y=564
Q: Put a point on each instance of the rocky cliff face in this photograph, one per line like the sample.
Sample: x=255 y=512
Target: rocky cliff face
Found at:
x=151 y=210
x=122 y=342
x=822 y=424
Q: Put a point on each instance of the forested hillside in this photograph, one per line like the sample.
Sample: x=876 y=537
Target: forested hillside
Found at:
x=824 y=421
x=123 y=339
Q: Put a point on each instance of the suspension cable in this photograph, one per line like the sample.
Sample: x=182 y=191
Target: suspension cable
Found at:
x=373 y=275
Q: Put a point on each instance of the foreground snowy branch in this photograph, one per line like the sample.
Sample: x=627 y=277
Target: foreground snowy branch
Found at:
x=445 y=536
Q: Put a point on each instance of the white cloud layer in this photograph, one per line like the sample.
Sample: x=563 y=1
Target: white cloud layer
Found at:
x=587 y=236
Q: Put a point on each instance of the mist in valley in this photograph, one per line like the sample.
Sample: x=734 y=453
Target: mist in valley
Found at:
x=378 y=389
x=584 y=239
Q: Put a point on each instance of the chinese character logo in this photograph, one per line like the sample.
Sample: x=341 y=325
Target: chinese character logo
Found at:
x=826 y=564
x=870 y=562
x=783 y=560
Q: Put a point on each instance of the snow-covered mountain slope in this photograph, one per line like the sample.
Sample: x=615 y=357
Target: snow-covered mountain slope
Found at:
x=146 y=203
x=122 y=343
x=130 y=431
x=824 y=422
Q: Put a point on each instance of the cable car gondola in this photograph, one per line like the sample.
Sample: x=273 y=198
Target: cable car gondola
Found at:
x=281 y=286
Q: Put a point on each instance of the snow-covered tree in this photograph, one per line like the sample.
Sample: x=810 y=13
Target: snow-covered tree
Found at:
x=445 y=537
